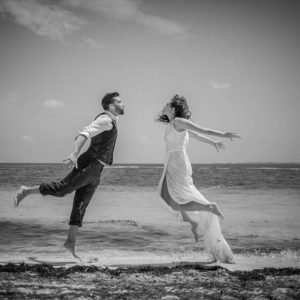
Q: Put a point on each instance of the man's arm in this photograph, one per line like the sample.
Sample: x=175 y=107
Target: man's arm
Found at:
x=71 y=161
x=216 y=144
x=102 y=123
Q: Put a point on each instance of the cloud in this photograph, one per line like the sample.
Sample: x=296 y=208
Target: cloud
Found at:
x=218 y=85
x=159 y=25
x=52 y=103
x=28 y=138
x=45 y=20
x=54 y=19
x=129 y=10
x=92 y=43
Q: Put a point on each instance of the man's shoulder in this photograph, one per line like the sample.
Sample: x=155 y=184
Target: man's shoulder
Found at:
x=103 y=117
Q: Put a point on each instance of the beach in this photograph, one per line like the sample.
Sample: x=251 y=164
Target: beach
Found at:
x=133 y=247
x=131 y=258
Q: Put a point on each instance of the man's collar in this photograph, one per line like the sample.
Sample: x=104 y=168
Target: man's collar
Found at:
x=113 y=117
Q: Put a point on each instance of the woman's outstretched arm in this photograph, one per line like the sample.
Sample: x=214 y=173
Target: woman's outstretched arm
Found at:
x=181 y=124
x=219 y=145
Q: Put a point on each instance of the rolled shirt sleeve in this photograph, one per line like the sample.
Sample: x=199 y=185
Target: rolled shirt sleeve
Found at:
x=102 y=123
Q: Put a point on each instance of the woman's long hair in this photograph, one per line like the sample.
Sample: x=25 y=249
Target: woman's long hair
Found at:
x=181 y=109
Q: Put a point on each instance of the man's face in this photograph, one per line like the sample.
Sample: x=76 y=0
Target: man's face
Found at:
x=118 y=105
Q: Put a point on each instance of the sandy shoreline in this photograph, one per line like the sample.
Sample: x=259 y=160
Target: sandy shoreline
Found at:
x=172 y=281
x=133 y=249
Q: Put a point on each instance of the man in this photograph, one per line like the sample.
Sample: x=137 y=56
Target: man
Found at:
x=87 y=168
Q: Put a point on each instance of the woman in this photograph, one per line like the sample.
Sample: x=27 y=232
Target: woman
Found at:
x=176 y=186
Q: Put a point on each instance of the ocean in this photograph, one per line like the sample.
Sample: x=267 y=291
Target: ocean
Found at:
x=126 y=220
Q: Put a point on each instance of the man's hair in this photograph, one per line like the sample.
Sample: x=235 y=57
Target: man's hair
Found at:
x=108 y=99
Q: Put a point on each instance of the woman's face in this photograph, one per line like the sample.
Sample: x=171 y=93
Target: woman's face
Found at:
x=168 y=110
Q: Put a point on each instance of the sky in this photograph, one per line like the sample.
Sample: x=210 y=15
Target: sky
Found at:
x=236 y=62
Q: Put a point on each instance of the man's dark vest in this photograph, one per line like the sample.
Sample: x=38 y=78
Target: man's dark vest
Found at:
x=103 y=144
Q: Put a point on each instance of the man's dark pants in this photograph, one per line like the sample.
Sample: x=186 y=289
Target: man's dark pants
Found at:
x=84 y=180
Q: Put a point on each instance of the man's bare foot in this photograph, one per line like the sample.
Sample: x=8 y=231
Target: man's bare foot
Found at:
x=21 y=195
x=194 y=231
x=71 y=247
x=215 y=210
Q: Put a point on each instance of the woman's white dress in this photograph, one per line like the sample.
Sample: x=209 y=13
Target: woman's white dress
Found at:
x=178 y=175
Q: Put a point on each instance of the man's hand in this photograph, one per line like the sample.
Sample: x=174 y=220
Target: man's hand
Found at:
x=71 y=161
x=232 y=135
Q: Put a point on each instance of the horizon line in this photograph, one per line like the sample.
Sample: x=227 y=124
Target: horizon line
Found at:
x=160 y=163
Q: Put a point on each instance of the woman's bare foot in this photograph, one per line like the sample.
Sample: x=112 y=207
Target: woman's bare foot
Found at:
x=215 y=210
x=21 y=195
x=230 y=261
x=194 y=231
x=71 y=247
x=211 y=259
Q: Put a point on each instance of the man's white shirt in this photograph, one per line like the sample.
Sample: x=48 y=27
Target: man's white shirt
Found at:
x=101 y=124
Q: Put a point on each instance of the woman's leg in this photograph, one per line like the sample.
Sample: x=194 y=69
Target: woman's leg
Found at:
x=195 y=206
x=190 y=206
x=194 y=224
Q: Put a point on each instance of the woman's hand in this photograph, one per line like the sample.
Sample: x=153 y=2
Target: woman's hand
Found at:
x=219 y=145
x=71 y=161
x=231 y=135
